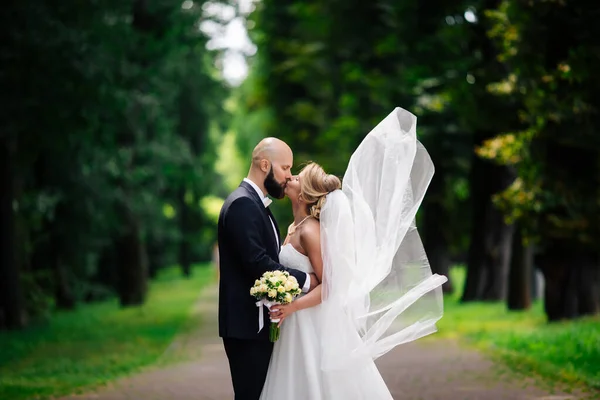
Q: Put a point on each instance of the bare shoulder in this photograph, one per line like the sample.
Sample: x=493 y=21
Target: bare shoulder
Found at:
x=310 y=234
x=312 y=226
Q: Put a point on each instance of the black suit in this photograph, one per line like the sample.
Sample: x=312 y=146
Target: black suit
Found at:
x=247 y=248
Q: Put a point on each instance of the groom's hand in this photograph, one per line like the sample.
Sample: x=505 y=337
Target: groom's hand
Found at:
x=314 y=282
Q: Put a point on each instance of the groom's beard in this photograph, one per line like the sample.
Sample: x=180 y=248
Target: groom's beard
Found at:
x=274 y=188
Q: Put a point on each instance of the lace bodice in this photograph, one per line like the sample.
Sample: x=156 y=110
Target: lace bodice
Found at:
x=292 y=258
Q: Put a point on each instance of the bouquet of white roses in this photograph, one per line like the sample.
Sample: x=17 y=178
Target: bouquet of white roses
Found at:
x=274 y=287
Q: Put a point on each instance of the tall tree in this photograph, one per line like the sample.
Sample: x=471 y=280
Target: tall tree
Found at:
x=11 y=300
x=521 y=273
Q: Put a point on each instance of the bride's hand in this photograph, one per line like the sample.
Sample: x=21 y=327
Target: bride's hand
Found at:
x=282 y=311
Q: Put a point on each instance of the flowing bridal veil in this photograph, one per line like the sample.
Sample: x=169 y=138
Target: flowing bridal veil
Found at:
x=378 y=289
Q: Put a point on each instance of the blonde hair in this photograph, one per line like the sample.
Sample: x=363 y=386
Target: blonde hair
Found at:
x=315 y=185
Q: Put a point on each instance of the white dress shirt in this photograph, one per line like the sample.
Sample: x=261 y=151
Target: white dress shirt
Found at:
x=266 y=202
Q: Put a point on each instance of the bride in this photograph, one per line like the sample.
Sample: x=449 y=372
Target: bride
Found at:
x=377 y=290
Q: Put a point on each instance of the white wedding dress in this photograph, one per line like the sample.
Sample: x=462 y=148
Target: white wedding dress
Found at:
x=295 y=370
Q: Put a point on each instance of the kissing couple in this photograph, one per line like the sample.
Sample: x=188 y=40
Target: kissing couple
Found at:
x=355 y=252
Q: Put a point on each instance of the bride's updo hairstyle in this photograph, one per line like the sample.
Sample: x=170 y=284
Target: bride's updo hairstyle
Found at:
x=315 y=185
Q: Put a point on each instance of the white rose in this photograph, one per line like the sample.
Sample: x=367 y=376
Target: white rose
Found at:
x=273 y=280
x=289 y=285
x=263 y=288
x=252 y=291
x=288 y=298
x=256 y=282
x=280 y=289
x=272 y=293
x=277 y=273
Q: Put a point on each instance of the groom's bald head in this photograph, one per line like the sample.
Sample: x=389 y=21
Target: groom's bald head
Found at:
x=272 y=149
x=272 y=161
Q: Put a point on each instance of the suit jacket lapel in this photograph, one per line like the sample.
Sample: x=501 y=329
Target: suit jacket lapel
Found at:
x=267 y=213
x=276 y=226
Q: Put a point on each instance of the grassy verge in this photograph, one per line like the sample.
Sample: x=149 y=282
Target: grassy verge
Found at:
x=568 y=352
x=99 y=342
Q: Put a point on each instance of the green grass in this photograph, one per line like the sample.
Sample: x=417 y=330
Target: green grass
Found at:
x=568 y=352
x=97 y=343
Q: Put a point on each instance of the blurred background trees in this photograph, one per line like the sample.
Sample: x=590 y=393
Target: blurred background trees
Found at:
x=507 y=107
x=119 y=136
x=111 y=113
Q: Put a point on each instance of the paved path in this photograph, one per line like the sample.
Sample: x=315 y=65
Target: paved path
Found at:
x=426 y=370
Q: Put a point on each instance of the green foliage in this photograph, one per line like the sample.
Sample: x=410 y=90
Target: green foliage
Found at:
x=504 y=92
x=116 y=113
x=230 y=164
x=321 y=82
x=99 y=342
x=549 y=50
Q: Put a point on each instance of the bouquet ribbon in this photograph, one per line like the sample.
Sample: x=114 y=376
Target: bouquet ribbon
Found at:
x=261 y=315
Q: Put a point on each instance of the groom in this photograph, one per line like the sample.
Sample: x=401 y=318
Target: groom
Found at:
x=249 y=244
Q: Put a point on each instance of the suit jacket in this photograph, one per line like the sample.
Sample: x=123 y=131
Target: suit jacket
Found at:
x=247 y=248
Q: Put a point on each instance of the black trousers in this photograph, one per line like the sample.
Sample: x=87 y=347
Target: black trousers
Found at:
x=248 y=363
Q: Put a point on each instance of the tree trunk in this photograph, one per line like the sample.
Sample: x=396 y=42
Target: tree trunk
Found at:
x=536 y=287
x=489 y=250
x=498 y=254
x=521 y=267
x=63 y=295
x=155 y=251
x=131 y=263
x=11 y=297
x=434 y=240
x=184 y=227
x=476 y=259
x=571 y=281
x=107 y=270
x=589 y=286
x=60 y=251
x=439 y=259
